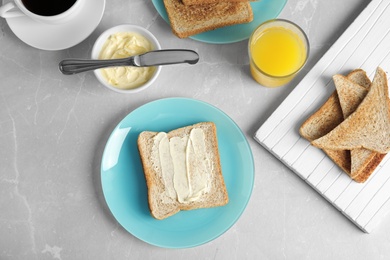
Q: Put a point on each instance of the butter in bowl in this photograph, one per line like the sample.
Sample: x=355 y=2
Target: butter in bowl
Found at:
x=127 y=59
x=120 y=42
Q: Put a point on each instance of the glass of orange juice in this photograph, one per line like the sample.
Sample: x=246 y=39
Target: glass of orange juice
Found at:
x=278 y=49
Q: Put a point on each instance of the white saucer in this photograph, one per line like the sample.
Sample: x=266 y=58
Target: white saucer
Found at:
x=59 y=36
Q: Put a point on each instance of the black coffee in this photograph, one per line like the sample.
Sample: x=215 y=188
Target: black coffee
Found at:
x=48 y=7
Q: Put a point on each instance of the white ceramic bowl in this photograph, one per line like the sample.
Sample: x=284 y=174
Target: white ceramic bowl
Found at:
x=125 y=28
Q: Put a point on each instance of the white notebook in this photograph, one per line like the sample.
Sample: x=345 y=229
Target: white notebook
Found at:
x=365 y=44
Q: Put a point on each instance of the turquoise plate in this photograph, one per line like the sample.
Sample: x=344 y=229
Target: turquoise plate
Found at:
x=263 y=10
x=124 y=185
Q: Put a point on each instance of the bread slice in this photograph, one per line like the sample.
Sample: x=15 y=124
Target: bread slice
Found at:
x=169 y=191
x=359 y=77
x=202 y=2
x=350 y=96
x=368 y=166
x=327 y=117
x=187 y=20
x=363 y=161
x=368 y=127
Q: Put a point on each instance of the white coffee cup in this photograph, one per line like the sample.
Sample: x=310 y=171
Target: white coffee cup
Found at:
x=16 y=8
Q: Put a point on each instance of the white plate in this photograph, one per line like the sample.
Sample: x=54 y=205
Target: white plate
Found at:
x=59 y=36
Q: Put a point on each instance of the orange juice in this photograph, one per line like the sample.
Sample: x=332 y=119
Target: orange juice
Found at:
x=277 y=51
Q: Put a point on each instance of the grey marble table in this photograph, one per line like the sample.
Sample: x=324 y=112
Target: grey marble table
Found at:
x=53 y=130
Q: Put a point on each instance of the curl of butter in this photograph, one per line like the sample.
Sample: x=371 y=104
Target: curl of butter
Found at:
x=121 y=45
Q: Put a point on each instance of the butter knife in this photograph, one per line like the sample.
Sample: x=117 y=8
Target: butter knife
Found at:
x=152 y=58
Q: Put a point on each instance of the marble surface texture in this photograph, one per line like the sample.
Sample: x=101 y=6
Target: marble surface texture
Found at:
x=53 y=129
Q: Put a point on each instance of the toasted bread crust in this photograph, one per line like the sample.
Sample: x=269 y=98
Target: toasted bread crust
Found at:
x=341 y=158
x=366 y=172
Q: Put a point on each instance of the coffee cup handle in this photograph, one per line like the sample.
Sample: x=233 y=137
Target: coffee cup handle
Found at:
x=7 y=12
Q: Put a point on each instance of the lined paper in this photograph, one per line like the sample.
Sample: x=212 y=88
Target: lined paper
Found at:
x=365 y=44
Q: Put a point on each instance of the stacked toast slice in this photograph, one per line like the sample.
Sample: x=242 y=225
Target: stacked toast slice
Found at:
x=190 y=17
x=353 y=125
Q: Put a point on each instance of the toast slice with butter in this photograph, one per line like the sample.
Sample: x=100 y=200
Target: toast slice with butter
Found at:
x=182 y=169
x=187 y=20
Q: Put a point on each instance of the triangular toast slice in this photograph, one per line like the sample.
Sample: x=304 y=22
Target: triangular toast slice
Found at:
x=350 y=96
x=368 y=127
x=366 y=161
x=327 y=117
